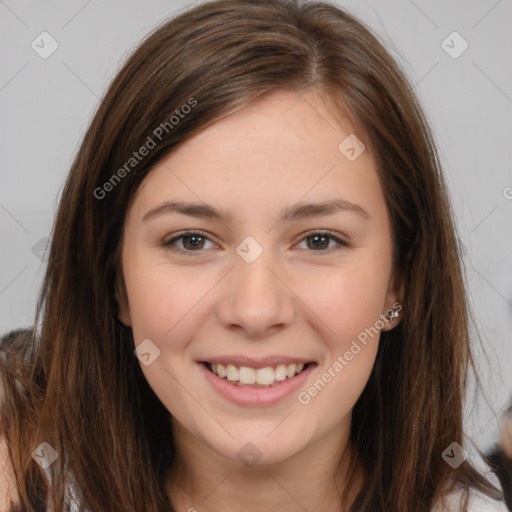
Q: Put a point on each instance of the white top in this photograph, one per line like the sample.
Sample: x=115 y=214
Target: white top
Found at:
x=477 y=502
x=72 y=493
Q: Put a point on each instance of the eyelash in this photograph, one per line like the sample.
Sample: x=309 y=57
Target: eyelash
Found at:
x=169 y=244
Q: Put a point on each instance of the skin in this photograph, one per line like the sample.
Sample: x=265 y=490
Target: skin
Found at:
x=295 y=299
x=506 y=435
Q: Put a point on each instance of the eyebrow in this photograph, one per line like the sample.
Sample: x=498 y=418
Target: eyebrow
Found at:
x=295 y=212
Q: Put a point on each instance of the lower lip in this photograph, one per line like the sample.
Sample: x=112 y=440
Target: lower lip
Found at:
x=256 y=396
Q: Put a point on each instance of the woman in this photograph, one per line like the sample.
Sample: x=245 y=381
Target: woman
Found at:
x=254 y=297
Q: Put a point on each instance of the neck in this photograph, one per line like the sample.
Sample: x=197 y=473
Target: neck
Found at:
x=314 y=479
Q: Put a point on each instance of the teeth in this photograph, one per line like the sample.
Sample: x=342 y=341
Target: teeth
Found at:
x=231 y=372
x=247 y=375
x=220 y=370
x=262 y=376
x=280 y=372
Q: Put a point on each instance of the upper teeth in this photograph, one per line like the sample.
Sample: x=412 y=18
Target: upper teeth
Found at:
x=264 y=376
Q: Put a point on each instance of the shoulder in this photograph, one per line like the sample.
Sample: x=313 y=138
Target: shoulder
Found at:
x=8 y=493
x=9 y=343
x=480 y=502
x=477 y=500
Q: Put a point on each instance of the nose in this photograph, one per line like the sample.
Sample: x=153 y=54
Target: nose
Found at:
x=255 y=299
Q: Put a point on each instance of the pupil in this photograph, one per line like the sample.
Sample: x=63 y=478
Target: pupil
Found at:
x=194 y=244
x=316 y=238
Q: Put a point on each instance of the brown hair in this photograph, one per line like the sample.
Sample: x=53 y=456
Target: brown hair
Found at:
x=77 y=384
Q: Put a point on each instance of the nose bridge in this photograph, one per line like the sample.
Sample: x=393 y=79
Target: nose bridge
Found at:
x=254 y=299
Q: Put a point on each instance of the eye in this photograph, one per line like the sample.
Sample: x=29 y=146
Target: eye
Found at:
x=189 y=241
x=196 y=241
x=321 y=240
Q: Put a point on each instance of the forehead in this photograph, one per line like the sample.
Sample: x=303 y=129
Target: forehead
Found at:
x=281 y=148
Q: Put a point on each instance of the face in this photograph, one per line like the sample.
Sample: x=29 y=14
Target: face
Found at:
x=226 y=260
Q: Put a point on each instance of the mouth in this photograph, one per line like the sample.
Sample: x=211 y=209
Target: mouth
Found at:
x=265 y=377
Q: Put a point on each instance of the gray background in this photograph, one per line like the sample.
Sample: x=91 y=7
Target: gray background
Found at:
x=46 y=105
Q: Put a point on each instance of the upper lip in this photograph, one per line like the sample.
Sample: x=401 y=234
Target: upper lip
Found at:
x=250 y=362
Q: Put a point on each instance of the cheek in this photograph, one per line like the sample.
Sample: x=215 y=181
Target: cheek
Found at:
x=158 y=298
x=166 y=304
x=152 y=302
x=346 y=299
x=348 y=305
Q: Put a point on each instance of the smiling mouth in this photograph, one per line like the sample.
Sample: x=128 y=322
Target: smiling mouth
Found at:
x=266 y=377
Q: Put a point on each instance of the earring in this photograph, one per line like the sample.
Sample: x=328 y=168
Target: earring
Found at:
x=392 y=314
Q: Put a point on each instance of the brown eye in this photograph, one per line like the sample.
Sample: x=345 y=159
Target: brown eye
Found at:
x=188 y=242
x=321 y=242
x=193 y=242
x=318 y=242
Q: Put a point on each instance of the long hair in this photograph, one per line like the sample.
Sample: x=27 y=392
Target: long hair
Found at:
x=75 y=382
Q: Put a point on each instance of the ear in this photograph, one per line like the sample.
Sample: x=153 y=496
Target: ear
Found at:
x=121 y=298
x=394 y=301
